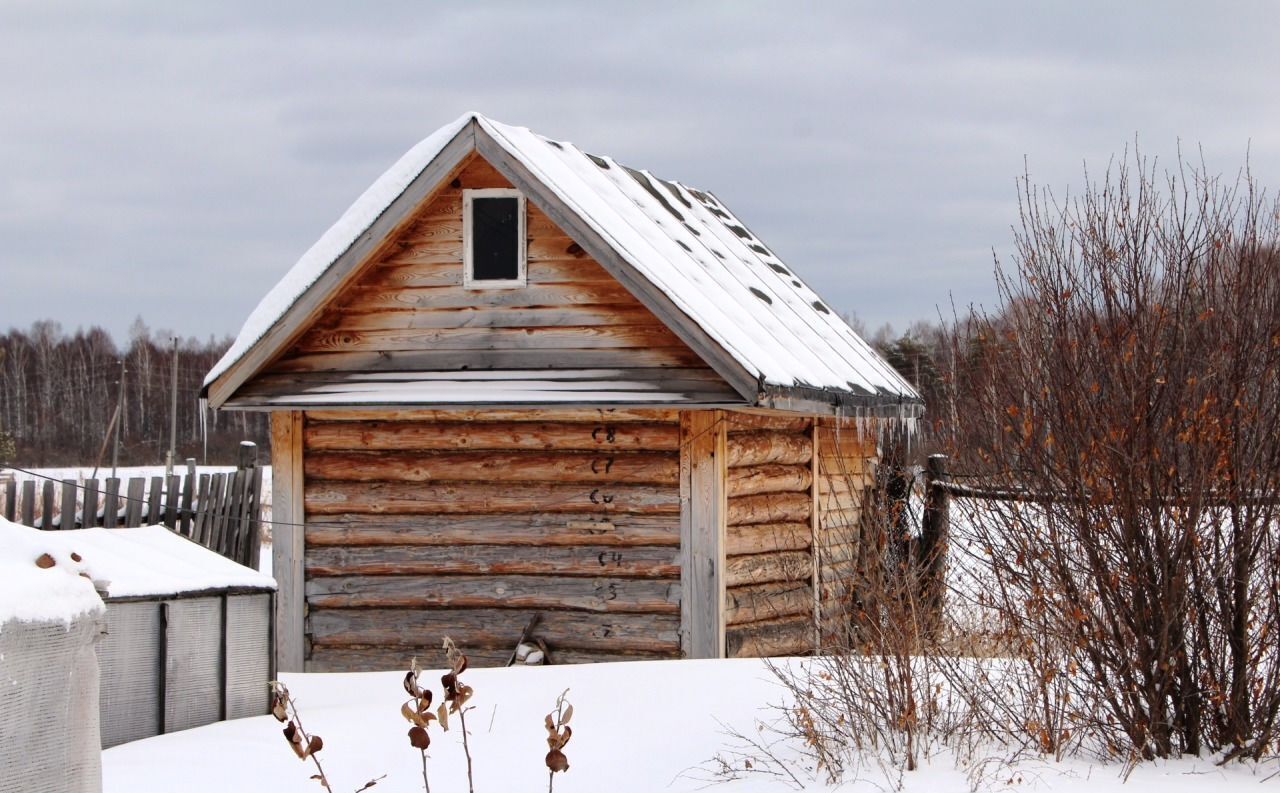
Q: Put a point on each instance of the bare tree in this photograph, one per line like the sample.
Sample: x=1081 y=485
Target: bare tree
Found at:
x=1131 y=380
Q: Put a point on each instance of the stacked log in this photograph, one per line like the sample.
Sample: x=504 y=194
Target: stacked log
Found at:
x=769 y=608
x=845 y=472
x=421 y=525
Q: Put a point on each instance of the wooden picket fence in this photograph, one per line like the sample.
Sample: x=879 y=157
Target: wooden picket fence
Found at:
x=220 y=511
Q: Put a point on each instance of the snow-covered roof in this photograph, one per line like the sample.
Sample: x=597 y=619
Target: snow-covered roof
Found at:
x=698 y=257
x=151 y=561
x=40 y=580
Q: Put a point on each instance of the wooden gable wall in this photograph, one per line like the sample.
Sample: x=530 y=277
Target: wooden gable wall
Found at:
x=408 y=312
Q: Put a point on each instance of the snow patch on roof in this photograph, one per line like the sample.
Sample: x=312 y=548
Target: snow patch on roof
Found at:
x=30 y=592
x=153 y=561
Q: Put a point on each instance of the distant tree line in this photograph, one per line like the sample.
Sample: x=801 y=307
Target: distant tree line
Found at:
x=59 y=392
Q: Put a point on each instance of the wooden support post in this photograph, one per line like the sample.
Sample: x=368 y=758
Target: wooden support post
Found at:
x=815 y=536
x=934 y=530
x=287 y=539
x=702 y=532
x=188 y=485
x=68 y=504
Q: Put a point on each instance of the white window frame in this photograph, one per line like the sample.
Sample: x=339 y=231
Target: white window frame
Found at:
x=522 y=250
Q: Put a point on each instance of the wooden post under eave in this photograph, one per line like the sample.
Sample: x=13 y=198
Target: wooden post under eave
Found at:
x=287 y=538
x=934 y=530
x=702 y=532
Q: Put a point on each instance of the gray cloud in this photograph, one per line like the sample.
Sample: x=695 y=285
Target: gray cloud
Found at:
x=174 y=160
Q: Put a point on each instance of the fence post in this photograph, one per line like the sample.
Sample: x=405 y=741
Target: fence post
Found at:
x=935 y=527
x=245 y=550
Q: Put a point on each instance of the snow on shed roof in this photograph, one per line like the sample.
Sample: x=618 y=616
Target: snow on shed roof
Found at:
x=682 y=241
x=35 y=592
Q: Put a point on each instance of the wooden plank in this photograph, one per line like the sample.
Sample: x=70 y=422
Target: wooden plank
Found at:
x=546 y=266
x=447 y=360
x=740 y=421
x=329 y=498
x=481 y=341
x=28 y=502
x=47 y=502
x=154 y=493
x=90 y=509
x=534 y=529
x=218 y=508
x=770 y=601
x=134 y=501
x=188 y=492
x=493 y=628
x=524 y=466
x=485 y=316
x=111 y=503
x=365 y=299
x=768 y=478
x=770 y=508
x=645 y=290
x=204 y=513
x=288 y=538
x=496 y=436
x=759 y=447
x=253 y=553
x=573 y=561
x=815 y=549
x=68 y=510
x=784 y=636
x=172 y=500
x=374 y=659
x=233 y=527
x=765 y=537
x=703 y=458
x=397 y=215
x=762 y=568
x=590 y=415
x=604 y=595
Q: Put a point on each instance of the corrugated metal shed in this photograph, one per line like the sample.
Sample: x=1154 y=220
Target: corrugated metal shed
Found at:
x=680 y=250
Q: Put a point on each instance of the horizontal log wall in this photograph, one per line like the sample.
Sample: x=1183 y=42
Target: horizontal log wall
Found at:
x=427 y=524
x=846 y=471
x=769 y=607
x=407 y=311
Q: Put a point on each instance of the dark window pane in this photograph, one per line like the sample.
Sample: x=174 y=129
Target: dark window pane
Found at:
x=495 y=239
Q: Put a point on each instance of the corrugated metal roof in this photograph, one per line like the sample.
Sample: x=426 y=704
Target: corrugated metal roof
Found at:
x=684 y=241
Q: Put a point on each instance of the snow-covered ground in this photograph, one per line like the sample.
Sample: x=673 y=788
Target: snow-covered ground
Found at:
x=651 y=726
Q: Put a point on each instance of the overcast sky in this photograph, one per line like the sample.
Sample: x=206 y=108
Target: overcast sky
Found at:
x=173 y=159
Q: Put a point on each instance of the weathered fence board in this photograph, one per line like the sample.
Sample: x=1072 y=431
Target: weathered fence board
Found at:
x=220 y=512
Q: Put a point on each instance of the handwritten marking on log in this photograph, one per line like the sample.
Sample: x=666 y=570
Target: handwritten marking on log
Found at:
x=496 y=436
x=496 y=592
x=581 y=561
x=494 y=628
x=512 y=530
x=481 y=339
x=521 y=466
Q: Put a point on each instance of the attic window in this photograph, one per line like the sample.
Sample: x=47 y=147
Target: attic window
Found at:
x=494 y=250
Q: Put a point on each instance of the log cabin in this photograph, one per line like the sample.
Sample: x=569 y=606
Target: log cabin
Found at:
x=518 y=379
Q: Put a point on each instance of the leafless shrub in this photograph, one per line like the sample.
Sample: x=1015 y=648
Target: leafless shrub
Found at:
x=1130 y=383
